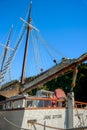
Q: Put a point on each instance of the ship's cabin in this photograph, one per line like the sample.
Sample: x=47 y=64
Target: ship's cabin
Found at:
x=42 y=99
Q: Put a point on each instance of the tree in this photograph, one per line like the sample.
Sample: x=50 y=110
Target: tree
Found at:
x=65 y=81
x=81 y=87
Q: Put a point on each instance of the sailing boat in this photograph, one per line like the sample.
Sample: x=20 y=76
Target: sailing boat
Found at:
x=45 y=110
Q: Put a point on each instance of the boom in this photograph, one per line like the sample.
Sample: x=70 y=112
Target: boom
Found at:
x=58 y=70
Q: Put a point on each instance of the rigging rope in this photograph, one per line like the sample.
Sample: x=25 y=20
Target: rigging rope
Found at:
x=80 y=118
x=8 y=62
x=36 y=51
x=47 y=46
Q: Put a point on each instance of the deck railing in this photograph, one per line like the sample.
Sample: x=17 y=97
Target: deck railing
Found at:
x=32 y=102
x=80 y=104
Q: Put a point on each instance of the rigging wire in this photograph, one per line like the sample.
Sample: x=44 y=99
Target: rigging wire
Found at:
x=1 y=56
x=35 y=41
x=16 y=31
x=10 y=58
x=47 y=46
x=6 y=75
x=8 y=62
x=80 y=118
x=42 y=41
x=36 y=52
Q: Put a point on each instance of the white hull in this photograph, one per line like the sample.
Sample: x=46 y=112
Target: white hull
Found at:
x=43 y=119
x=37 y=113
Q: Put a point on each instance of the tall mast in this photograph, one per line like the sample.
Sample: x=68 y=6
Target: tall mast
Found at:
x=6 y=48
x=26 y=46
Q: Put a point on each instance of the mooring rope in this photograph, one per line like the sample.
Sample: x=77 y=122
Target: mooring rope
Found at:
x=78 y=128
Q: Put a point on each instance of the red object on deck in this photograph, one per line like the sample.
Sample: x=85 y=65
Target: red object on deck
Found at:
x=59 y=93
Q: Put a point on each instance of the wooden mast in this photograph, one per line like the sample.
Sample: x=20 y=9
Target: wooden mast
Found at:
x=26 y=46
x=6 y=48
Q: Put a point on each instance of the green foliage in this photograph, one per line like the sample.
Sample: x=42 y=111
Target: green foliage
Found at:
x=81 y=86
x=65 y=82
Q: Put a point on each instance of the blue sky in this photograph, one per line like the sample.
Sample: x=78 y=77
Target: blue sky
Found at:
x=62 y=23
